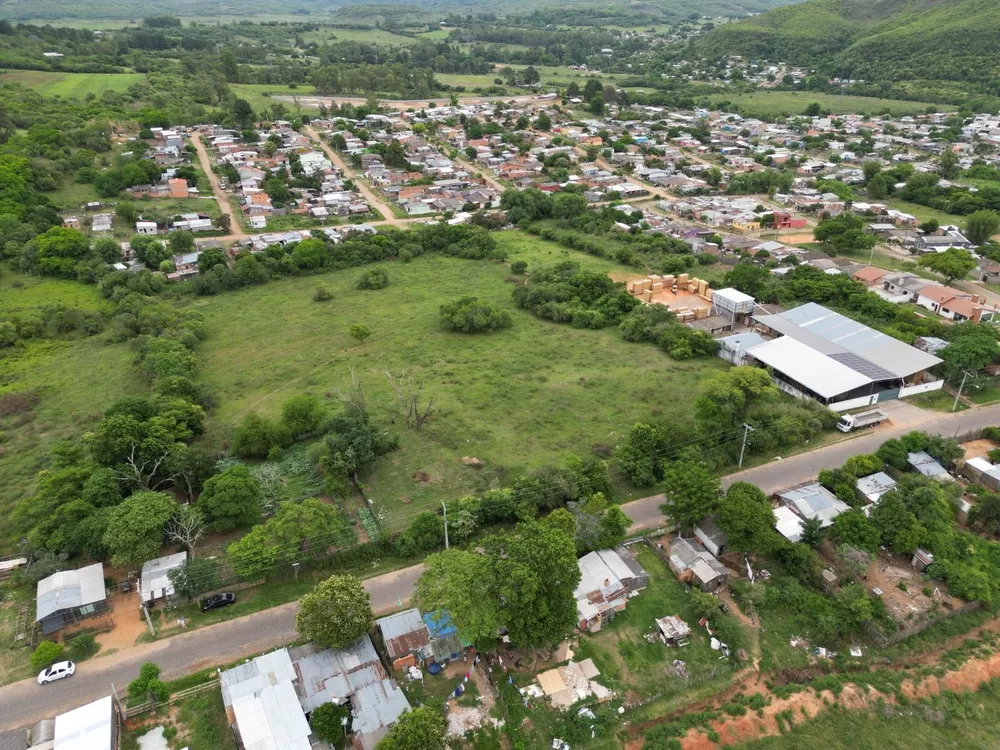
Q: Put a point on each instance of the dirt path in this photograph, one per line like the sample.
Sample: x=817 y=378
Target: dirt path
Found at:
x=235 y=228
x=751 y=622
x=373 y=200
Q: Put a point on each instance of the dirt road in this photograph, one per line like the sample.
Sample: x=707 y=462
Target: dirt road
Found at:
x=236 y=229
x=374 y=201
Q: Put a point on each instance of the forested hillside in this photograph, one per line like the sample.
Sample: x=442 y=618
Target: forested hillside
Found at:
x=875 y=40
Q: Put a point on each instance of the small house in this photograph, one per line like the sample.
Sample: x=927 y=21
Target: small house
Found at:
x=921 y=559
x=673 y=630
x=445 y=643
x=146 y=228
x=691 y=563
x=872 y=487
x=981 y=471
x=813 y=500
x=923 y=463
x=405 y=634
x=709 y=534
x=70 y=596
x=607 y=578
x=788 y=523
x=155 y=583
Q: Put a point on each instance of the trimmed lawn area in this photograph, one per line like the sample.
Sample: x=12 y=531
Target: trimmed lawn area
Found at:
x=517 y=399
x=790 y=103
x=983 y=393
x=938 y=401
x=72 y=84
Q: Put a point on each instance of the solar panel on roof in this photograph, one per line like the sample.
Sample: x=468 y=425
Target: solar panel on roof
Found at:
x=862 y=365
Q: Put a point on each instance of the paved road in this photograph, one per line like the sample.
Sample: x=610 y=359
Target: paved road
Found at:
x=24 y=703
x=788 y=472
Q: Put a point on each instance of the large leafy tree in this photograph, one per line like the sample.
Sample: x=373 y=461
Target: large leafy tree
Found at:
x=136 y=527
x=231 y=499
x=461 y=582
x=748 y=519
x=60 y=249
x=253 y=556
x=692 y=489
x=981 y=226
x=953 y=263
x=422 y=729
x=336 y=613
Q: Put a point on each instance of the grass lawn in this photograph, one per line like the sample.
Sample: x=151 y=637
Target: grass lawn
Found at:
x=789 y=103
x=258 y=94
x=939 y=401
x=924 y=213
x=68 y=85
x=363 y=36
x=629 y=663
x=983 y=393
x=75 y=380
x=202 y=723
x=521 y=398
x=72 y=196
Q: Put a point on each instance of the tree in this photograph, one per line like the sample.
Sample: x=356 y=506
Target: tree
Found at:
x=136 y=527
x=692 y=490
x=544 y=122
x=187 y=527
x=948 y=164
x=749 y=278
x=871 y=170
x=748 y=519
x=231 y=499
x=953 y=263
x=47 y=653
x=408 y=394
x=60 y=249
x=359 y=332
x=147 y=686
x=853 y=528
x=597 y=523
x=812 y=532
x=181 y=241
x=253 y=556
x=330 y=722
x=518 y=267
x=375 y=278
x=972 y=347
x=425 y=532
x=472 y=315
x=596 y=104
x=981 y=226
x=336 y=613
x=461 y=582
x=257 y=437
x=639 y=457
x=422 y=729
x=195 y=577
x=211 y=258
x=302 y=415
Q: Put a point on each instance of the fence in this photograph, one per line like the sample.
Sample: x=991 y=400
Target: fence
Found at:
x=885 y=640
x=133 y=711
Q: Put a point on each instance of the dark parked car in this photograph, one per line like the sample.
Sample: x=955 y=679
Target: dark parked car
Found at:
x=218 y=601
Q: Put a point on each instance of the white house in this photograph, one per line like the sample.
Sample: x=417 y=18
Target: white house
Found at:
x=145 y=228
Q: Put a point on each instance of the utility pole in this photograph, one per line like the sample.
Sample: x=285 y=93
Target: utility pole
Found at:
x=871 y=258
x=747 y=429
x=445 y=509
x=958 y=395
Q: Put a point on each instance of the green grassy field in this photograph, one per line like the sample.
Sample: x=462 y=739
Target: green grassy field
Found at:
x=72 y=84
x=74 y=381
x=364 y=36
x=777 y=103
x=517 y=399
x=258 y=94
x=924 y=213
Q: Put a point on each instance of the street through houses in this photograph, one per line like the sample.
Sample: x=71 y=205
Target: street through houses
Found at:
x=26 y=702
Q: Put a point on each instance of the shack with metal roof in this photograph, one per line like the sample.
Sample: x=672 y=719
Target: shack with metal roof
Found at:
x=70 y=596
x=813 y=501
x=405 y=634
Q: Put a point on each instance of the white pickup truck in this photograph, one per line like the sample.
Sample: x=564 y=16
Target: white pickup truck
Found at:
x=869 y=418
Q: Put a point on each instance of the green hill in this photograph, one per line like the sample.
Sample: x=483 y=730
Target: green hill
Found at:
x=878 y=40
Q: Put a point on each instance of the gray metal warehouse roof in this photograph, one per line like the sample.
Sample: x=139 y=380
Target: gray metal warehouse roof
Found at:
x=831 y=333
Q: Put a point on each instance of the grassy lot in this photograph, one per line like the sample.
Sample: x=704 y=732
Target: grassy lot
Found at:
x=628 y=663
x=985 y=392
x=938 y=401
x=74 y=380
x=72 y=84
x=923 y=213
x=200 y=722
x=258 y=94
x=364 y=36
x=521 y=398
x=952 y=722
x=788 y=103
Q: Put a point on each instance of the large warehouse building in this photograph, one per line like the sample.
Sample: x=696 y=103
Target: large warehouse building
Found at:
x=817 y=353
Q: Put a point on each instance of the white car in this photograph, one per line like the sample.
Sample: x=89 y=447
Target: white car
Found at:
x=56 y=672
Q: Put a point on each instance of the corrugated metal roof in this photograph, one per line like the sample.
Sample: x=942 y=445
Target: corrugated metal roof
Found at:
x=814 y=501
x=375 y=708
x=68 y=589
x=875 y=485
x=926 y=464
x=888 y=353
x=272 y=719
x=86 y=728
x=332 y=675
x=404 y=632
x=808 y=366
x=251 y=677
x=787 y=523
x=155 y=582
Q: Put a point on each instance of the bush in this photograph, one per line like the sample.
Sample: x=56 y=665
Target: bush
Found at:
x=519 y=267
x=472 y=315
x=322 y=294
x=46 y=653
x=83 y=646
x=375 y=278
